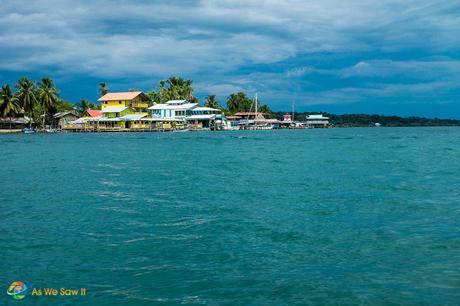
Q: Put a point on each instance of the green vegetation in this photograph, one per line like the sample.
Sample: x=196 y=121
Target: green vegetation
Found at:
x=47 y=96
x=37 y=100
x=40 y=100
x=84 y=105
x=212 y=101
x=9 y=105
x=240 y=102
x=103 y=88
x=174 y=88
x=363 y=120
x=177 y=88
x=26 y=95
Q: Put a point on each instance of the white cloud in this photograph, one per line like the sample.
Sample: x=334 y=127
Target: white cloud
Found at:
x=409 y=70
x=223 y=33
x=221 y=43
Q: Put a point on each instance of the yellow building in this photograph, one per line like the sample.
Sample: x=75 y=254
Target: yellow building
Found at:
x=136 y=100
x=124 y=110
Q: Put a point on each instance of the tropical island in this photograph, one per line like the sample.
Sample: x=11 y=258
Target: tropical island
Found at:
x=36 y=105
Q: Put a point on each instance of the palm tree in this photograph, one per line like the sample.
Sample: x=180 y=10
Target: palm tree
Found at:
x=26 y=96
x=103 y=88
x=238 y=103
x=174 y=88
x=9 y=105
x=211 y=101
x=266 y=110
x=232 y=103
x=83 y=105
x=47 y=95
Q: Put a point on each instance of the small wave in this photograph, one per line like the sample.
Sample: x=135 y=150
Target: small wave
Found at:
x=109 y=183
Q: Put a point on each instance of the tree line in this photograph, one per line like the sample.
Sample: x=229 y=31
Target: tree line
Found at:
x=365 y=120
x=177 y=88
x=38 y=100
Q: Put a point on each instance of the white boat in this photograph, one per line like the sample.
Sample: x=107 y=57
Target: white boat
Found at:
x=28 y=131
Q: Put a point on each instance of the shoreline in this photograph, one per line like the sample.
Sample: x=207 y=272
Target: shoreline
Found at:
x=19 y=131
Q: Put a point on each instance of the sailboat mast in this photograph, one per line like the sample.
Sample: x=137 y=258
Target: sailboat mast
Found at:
x=293 y=107
x=255 y=107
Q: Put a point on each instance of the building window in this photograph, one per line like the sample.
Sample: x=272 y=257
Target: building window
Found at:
x=119 y=102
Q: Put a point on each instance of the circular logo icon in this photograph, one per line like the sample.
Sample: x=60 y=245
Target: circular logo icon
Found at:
x=18 y=290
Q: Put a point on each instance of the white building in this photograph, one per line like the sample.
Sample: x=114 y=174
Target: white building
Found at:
x=206 y=117
x=173 y=109
x=317 y=121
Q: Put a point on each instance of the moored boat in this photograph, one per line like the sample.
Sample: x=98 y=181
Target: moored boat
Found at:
x=29 y=131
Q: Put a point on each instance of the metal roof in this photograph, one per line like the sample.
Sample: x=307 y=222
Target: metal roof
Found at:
x=185 y=106
x=128 y=95
x=114 y=109
x=205 y=108
x=315 y=117
x=94 y=112
x=62 y=114
x=174 y=102
x=201 y=117
x=132 y=117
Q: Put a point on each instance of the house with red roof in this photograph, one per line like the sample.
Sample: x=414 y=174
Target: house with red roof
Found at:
x=92 y=113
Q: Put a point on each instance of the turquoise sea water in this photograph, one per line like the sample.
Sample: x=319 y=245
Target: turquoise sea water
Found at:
x=367 y=216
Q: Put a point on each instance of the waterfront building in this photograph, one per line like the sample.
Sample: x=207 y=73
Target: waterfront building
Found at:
x=255 y=120
x=233 y=118
x=287 y=118
x=63 y=120
x=171 y=114
x=87 y=120
x=317 y=121
x=114 y=117
x=92 y=113
x=135 y=100
x=173 y=109
x=206 y=117
x=14 y=122
x=249 y=115
x=121 y=110
x=287 y=121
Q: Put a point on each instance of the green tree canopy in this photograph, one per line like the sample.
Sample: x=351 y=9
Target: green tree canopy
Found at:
x=62 y=106
x=238 y=102
x=47 y=96
x=47 y=93
x=212 y=101
x=174 y=88
x=9 y=106
x=103 y=89
x=266 y=110
x=84 y=105
x=26 y=96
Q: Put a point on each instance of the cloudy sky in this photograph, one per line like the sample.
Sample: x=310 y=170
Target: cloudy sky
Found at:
x=379 y=56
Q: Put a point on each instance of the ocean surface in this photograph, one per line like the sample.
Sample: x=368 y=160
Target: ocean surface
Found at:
x=358 y=216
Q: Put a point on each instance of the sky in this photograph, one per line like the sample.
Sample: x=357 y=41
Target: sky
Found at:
x=387 y=57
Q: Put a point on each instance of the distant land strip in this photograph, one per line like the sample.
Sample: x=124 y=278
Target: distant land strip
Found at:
x=365 y=120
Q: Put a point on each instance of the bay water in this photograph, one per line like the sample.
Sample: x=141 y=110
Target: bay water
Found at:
x=367 y=216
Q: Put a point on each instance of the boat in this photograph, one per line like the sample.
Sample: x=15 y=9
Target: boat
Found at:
x=29 y=131
x=258 y=122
